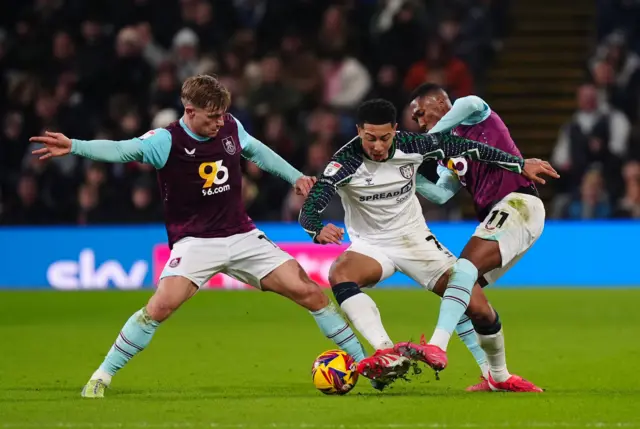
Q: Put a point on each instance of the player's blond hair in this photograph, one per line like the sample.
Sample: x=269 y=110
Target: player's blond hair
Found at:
x=205 y=92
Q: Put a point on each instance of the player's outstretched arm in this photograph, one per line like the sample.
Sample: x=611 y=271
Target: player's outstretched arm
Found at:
x=444 y=145
x=438 y=146
x=440 y=192
x=152 y=148
x=471 y=110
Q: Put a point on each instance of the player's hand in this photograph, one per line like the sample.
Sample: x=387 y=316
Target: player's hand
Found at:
x=534 y=167
x=55 y=144
x=330 y=234
x=304 y=184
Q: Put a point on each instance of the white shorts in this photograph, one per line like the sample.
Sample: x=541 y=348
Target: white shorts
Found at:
x=246 y=257
x=419 y=255
x=515 y=223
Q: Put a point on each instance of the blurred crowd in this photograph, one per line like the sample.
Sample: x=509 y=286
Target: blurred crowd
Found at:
x=112 y=69
x=598 y=149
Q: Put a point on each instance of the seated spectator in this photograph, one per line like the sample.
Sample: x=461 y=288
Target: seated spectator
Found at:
x=623 y=78
x=593 y=201
x=273 y=95
x=595 y=134
x=346 y=80
x=28 y=209
x=143 y=207
x=440 y=66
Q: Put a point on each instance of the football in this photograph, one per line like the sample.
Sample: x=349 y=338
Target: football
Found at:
x=334 y=372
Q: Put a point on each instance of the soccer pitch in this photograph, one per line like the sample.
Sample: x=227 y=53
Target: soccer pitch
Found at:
x=243 y=360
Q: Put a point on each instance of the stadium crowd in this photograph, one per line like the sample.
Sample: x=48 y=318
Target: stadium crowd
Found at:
x=598 y=149
x=111 y=69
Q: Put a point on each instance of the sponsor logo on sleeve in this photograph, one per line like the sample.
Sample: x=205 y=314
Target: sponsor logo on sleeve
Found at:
x=332 y=168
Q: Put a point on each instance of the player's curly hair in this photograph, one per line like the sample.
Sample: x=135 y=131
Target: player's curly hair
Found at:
x=376 y=112
x=425 y=89
x=205 y=92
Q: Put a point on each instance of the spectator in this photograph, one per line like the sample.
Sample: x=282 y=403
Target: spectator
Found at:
x=346 y=81
x=593 y=202
x=622 y=76
x=28 y=209
x=143 y=208
x=89 y=210
x=440 y=66
x=595 y=135
x=131 y=74
x=261 y=188
x=185 y=49
x=389 y=86
x=152 y=52
x=272 y=95
x=629 y=206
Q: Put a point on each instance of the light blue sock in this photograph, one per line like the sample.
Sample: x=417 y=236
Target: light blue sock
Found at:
x=334 y=327
x=454 y=302
x=133 y=338
x=467 y=334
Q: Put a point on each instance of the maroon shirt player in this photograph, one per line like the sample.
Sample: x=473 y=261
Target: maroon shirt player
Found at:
x=512 y=219
x=198 y=163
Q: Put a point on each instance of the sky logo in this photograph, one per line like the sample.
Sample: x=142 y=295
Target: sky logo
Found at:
x=83 y=273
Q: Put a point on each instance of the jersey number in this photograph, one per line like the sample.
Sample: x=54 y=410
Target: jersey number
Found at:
x=438 y=245
x=494 y=215
x=264 y=237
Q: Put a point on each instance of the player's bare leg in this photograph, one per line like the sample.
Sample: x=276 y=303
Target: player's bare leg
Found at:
x=477 y=258
x=136 y=334
x=435 y=356
x=291 y=281
x=350 y=272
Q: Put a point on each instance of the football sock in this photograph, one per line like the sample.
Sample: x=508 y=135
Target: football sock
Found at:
x=454 y=302
x=337 y=329
x=491 y=340
x=467 y=334
x=363 y=313
x=133 y=338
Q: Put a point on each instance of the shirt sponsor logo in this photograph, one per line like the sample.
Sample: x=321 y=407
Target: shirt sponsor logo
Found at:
x=214 y=173
x=386 y=195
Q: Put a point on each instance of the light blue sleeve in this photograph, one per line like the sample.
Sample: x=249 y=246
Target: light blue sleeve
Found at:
x=265 y=158
x=442 y=191
x=152 y=148
x=469 y=110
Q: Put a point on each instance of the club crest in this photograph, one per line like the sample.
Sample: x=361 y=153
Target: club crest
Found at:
x=229 y=145
x=407 y=171
x=174 y=262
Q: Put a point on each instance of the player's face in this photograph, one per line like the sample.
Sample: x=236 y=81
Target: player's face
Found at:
x=203 y=122
x=428 y=110
x=377 y=140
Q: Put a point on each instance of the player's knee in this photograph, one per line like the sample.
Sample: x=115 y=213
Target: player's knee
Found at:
x=159 y=308
x=338 y=275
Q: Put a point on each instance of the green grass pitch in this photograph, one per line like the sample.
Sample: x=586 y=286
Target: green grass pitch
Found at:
x=243 y=360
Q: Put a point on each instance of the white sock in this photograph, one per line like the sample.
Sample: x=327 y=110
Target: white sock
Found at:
x=484 y=368
x=101 y=375
x=363 y=313
x=440 y=338
x=493 y=346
